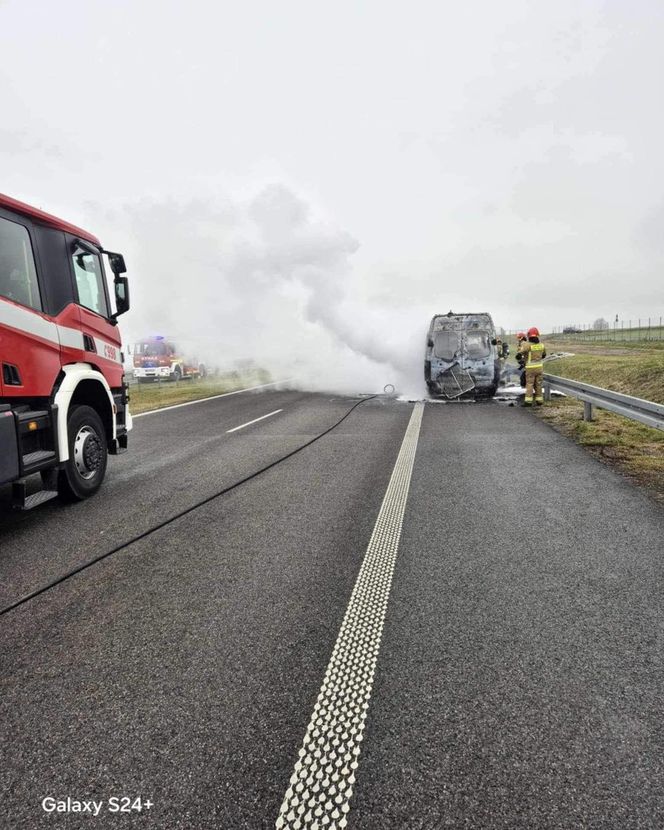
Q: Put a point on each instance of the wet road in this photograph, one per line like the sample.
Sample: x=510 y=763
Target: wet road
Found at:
x=510 y=600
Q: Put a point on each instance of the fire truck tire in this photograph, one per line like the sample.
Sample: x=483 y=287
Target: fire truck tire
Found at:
x=84 y=472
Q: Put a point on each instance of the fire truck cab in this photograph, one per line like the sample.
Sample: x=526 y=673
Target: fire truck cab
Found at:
x=63 y=400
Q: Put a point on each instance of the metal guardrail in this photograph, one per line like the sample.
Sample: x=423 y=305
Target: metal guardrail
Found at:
x=647 y=412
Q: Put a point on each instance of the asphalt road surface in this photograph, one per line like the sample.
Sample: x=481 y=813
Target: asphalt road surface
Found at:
x=434 y=616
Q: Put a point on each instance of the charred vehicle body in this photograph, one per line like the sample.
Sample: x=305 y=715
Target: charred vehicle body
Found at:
x=463 y=359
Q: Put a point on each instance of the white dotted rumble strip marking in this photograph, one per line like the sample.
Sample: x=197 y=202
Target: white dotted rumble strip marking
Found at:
x=322 y=782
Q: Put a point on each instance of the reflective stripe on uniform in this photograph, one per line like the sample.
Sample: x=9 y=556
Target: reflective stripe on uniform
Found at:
x=534 y=360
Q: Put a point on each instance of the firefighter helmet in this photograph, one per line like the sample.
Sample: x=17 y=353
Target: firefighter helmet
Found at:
x=521 y=336
x=533 y=331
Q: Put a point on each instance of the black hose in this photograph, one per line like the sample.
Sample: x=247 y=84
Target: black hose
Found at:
x=179 y=515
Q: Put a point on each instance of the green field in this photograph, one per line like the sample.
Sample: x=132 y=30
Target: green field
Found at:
x=639 y=372
x=147 y=396
x=636 y=335
x=636 y=369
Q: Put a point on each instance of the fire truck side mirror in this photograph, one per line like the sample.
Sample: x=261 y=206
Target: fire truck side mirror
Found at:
x=117 y=263
x=121 y=295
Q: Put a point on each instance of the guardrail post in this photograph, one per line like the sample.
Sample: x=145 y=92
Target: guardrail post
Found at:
x=547 y=391
x=587 y=411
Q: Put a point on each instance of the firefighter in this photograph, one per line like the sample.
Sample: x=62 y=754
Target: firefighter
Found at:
x=502 y=351
x=533 y=353
x=520 y=358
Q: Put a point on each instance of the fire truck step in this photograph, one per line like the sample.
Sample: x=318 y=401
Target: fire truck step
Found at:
x=21 y=501
x=32 y=459
x=31 y=414
x=38 y=498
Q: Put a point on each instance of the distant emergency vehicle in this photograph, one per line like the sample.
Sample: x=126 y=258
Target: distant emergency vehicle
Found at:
x=63 y=400
x=160 y=358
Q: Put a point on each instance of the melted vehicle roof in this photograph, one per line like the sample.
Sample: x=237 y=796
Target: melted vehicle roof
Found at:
x=441 y=322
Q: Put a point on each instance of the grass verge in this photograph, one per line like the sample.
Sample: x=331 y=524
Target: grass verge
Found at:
x=634 y=449
x=640 y=373
x=147 y=396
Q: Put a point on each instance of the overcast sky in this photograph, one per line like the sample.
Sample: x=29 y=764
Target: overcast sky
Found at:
x=504 y=156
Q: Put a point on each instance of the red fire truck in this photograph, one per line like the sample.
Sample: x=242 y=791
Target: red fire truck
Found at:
x=160 y=358
x=63 y=400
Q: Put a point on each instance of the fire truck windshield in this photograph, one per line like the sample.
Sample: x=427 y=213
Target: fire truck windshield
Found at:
x=153 y=349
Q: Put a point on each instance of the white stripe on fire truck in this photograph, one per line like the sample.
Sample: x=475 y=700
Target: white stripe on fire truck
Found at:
x=28 y=321
x=70 y=338
x=31 y=322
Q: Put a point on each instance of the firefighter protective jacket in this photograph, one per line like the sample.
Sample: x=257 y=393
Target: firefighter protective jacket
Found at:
x=533 y=354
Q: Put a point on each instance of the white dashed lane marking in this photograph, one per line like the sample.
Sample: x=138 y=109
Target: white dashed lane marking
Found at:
x=322 y=782
x=255 y=421
x=210 y=398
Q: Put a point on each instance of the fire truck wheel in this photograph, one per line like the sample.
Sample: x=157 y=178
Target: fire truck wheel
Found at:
x=84 y=472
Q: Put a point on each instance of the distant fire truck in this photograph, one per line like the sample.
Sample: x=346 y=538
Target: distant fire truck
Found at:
x=160 y=358
x=63 y=400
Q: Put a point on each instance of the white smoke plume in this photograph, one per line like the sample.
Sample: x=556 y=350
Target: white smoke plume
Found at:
x=264 y=279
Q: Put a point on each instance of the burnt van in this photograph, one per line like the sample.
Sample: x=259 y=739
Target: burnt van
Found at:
x=463 y=358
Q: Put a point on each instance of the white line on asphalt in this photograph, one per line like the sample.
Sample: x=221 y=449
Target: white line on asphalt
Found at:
x=322 y=782
x=262 y=418
x=211 y=398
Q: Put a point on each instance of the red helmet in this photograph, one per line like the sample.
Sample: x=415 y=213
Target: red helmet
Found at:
x=521 y=336
x=533 y=331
